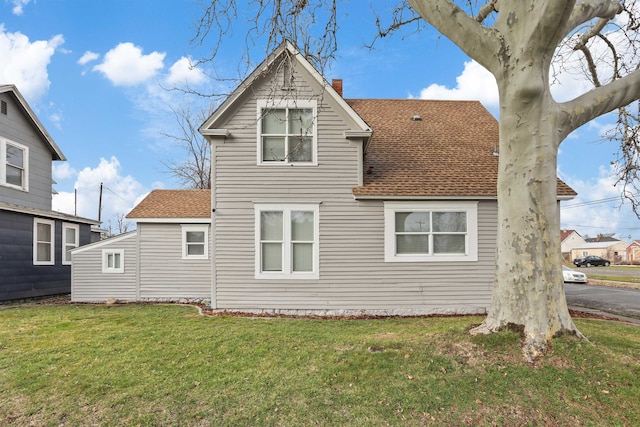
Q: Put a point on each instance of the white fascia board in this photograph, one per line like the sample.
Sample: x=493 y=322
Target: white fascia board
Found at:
x=105 y=242
x=259 y=70
x=389 y=197
x=173 y=220
x=34 y=119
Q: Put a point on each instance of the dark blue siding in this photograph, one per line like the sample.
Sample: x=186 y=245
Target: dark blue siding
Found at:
x=19 y=278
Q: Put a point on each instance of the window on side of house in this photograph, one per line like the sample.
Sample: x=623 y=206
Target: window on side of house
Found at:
x=14 y=165
x=287 y=241
x=43 y=241
x=431 y=231
x=287 y=133
x=195 y=241
x=113 y=260
x=70 y=240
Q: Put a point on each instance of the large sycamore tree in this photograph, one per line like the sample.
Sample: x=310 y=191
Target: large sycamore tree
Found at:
x=524 y=44
x=518 y=47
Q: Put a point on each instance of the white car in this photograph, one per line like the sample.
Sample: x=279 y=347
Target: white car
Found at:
x=573 y=276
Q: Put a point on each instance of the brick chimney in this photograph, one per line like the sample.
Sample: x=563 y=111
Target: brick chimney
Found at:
x=337 y=85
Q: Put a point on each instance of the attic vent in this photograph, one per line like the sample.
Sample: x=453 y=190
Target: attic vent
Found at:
x=3 y=107
x=416 y=118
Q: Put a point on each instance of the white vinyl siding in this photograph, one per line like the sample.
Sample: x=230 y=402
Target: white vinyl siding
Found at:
x=287 y=132
x=351 y=233
x=70 y=240
x=286 y=241
x=90 y=284
x=113 y=261
x=431 y=231
x=164 y=274
x=43 y=241
x=14 y=164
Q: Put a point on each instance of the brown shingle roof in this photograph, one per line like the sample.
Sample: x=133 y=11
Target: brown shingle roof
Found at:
x=174 y=204
x=448 y=152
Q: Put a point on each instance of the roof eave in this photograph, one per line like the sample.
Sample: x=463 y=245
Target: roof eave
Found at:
x=57 y=153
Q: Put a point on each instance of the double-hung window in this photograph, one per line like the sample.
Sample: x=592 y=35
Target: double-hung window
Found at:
x=70 y=236
x=287 y=133
x=14 y=161
x=113 y=261
x=195 y=241
x=286 y=241
x=43 y=241
x=431 y=231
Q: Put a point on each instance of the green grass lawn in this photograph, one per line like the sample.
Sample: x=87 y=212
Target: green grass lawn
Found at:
x=163 y=365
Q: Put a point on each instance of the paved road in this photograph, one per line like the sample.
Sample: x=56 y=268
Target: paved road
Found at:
x=612 y=300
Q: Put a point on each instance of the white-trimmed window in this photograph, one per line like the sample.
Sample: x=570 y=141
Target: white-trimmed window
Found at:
x=287 y=132
x=195 y=241
x=431 y=231
x=113 y=260
x=287 y=241
x=14 y=164
x=70 y=240
x=43 y=241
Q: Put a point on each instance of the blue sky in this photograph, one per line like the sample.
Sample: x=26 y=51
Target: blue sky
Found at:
x=94 y=73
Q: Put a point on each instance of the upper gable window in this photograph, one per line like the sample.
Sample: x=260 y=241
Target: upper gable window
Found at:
x=14 y=160
x=287 y=133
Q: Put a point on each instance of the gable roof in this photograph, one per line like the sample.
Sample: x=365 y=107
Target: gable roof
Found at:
x=566 y=233
x=174 y=204
x=28 y=112
x=210 y=127
x=430 y=148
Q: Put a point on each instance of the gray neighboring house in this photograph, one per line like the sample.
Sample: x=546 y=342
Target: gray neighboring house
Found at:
x=35 y=241
x=327 y=205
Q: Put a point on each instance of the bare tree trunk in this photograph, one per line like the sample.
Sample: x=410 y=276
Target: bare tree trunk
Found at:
x=528 y=294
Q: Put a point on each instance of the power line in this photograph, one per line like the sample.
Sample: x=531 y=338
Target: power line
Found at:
x=596 y=202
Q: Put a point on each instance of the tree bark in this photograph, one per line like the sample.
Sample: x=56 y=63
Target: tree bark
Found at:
x=528 y=293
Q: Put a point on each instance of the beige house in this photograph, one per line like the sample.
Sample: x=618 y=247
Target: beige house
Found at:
x=613 y=250
x=569 y=239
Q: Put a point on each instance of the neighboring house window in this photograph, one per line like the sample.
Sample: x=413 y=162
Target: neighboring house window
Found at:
x=287 y=133
x=287 y=241
x=431 y=231
x=70 y=240
x=43 y=241
x=195 y=242
x=113 y=260
x=14 y=164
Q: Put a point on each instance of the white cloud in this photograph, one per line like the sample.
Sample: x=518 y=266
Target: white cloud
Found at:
x=87 y=57
x=182 y=72
x=24 y=63
x=18 y=6
x=475 y=83
x=63 y=170
x=120 y=193
x=125 y=65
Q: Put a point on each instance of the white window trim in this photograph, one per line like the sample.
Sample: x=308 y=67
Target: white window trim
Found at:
x=194 y=227
x=287 y=273
x=262 y=104
x=65 y=227
x=52 y=223
x=3 y=164
x=471 y=243
x=105 y=265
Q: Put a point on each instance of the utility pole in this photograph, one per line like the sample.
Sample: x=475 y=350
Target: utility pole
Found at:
x=100 y=205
